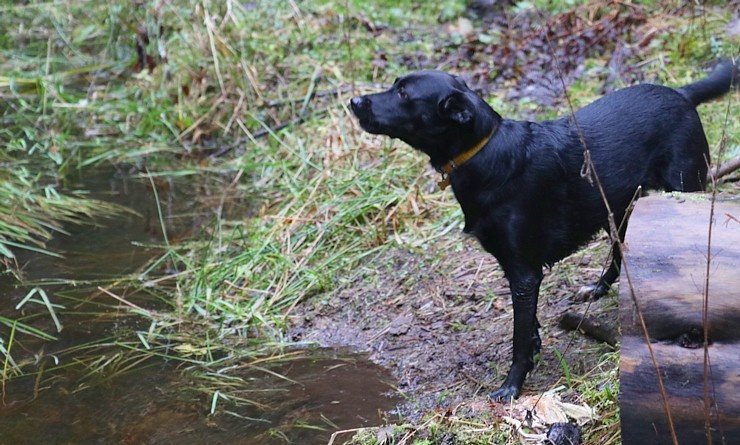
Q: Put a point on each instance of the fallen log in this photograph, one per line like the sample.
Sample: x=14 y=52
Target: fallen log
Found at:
x=666 y=259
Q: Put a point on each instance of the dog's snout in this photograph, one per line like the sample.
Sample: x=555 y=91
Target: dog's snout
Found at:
x=359 y=103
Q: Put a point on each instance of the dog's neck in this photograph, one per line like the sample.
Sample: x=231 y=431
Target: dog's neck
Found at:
x=462 y=158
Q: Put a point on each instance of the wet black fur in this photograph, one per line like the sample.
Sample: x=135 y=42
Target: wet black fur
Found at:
x=523 y=195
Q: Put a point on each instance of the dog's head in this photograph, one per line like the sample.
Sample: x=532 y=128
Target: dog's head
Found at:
x=430 y=110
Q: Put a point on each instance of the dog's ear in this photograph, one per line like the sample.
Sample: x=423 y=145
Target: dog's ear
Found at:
x=460 y=81
x=456 y=108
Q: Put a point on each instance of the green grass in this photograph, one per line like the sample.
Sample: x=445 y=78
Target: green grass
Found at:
x=264 y=85
x=32 y=211
x=76 y=99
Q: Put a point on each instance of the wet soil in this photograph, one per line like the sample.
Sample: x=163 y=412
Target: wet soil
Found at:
x=440 y=319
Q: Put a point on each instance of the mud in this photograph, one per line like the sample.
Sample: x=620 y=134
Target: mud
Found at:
x=440 y=320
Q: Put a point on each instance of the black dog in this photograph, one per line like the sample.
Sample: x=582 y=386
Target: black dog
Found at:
x=527 y=194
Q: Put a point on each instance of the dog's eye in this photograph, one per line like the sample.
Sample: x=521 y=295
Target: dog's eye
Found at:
x=402 y=94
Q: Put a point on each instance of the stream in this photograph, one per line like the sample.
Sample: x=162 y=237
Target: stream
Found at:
x=152 y=402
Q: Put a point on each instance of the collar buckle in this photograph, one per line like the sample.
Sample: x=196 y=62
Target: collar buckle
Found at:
x=445 y=182
x=460 y=159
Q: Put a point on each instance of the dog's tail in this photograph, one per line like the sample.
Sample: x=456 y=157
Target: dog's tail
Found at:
x=722 y=79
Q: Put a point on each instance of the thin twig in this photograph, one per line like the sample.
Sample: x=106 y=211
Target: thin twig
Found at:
x=724 y=169
x=336 y=433
x=589 y=173
x=122 y=300
x=713 y=176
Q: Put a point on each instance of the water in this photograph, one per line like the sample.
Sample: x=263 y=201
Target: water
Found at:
x=149 y=406
x=325 y=390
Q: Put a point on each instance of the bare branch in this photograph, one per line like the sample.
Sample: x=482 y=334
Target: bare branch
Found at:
x=723 y=169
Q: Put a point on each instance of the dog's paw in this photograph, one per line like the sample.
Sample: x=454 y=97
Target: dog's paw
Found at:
x=505 y=394
x=591 y=292
x=585 y=292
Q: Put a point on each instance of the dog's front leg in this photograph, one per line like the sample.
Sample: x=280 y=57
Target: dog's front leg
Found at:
x=525 y=286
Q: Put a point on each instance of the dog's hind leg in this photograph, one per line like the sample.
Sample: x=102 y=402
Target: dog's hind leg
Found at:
x=686 y=167
x=689 y=177
x=525 y=287
x=598 y=290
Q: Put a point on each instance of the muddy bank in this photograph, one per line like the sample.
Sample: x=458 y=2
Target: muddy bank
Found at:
x=440 y=320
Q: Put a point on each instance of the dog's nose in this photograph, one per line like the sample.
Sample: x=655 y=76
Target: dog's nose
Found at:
x=359 y=103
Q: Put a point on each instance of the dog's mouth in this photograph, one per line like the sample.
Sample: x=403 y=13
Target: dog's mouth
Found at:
x=370 y=125
x=362 y=109
x=368 y=122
